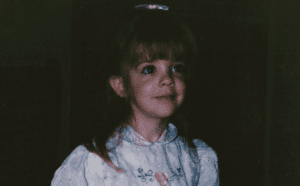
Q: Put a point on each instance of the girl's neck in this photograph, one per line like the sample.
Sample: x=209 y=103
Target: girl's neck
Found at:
x=150 y=128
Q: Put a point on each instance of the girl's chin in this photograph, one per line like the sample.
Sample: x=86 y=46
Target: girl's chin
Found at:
x=163 y=112
x=159 y=110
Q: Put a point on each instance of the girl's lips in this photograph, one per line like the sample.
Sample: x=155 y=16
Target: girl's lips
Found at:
x=166 y=97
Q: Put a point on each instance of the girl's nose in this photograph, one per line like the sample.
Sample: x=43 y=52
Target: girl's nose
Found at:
x=168 y=78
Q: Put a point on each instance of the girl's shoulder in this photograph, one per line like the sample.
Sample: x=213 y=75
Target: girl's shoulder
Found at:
x=71 y=170
x=76 y=158
x=209 y=169
x=204 y=150
x=77 y=165
x=201 y=146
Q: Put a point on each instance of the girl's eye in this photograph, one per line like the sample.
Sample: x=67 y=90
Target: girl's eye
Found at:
x=148 y=69
x=151 y=69
x=178 y=68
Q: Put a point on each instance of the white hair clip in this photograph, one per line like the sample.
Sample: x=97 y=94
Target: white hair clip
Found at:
x=155 y=6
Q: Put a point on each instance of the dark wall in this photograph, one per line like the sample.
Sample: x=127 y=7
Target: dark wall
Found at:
x=30 y=123
x=35 y=45
x=282 y=137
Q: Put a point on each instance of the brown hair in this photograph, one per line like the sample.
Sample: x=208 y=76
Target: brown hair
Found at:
x=151 y=33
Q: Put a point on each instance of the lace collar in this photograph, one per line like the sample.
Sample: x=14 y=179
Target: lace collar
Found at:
x=128 y=134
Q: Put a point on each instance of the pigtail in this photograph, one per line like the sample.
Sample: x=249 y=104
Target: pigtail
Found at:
x=116 y=111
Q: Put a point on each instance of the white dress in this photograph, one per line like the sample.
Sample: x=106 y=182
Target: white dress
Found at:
x=141 y=159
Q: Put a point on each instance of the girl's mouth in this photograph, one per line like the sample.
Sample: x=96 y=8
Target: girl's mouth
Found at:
x=170 y=97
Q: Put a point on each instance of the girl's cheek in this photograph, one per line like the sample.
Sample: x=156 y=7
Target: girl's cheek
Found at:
x=181 y=85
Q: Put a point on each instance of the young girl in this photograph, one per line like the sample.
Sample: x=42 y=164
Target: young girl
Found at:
x=142 y=139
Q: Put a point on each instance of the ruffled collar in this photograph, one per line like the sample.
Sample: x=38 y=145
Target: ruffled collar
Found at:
x=128 y=134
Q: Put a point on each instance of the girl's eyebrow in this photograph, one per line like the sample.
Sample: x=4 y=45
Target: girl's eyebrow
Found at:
x=136 y=64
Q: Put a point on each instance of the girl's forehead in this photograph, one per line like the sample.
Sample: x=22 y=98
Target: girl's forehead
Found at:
x=156 y=46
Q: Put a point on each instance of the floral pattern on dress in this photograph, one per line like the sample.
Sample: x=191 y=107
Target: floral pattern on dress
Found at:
x=144 y=176
x=148 y=176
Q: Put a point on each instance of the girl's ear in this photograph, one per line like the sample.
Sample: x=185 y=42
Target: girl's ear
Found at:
x=117 y=84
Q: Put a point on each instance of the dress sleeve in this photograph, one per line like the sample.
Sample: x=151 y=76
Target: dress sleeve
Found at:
x=209 y=172
x=72 y=170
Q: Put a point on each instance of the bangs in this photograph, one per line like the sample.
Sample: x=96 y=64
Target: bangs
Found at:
x=140 y=52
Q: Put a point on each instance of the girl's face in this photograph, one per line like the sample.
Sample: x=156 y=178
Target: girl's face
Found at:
x=156 y=89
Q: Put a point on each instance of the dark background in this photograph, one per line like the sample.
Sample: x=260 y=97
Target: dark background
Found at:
x=246 y=95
